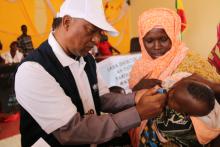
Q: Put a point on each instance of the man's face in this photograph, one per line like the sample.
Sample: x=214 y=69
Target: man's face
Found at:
x=80 y=37
x=157 y=42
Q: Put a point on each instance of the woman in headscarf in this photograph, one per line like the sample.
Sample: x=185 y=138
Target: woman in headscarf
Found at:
x=163 y=54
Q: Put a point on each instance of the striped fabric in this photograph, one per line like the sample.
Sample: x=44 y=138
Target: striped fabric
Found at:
x=181 y=13
x=214 y=56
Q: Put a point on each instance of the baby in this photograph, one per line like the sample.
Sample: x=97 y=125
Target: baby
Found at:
x=191 y=110
x=186 y=98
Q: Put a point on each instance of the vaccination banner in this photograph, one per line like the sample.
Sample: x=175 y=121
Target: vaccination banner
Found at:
x=115 y=70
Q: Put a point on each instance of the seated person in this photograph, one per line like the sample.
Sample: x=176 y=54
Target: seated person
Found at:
x=14 y=56
x=104 y=47
x=1 y=59
x=191 y=117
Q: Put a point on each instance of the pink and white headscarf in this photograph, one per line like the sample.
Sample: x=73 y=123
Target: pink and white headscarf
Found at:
x=163 y=66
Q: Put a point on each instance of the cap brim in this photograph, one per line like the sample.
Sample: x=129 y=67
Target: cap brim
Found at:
x=104 y=25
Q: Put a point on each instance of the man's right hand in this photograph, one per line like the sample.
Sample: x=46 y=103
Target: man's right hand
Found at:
x=150 y=106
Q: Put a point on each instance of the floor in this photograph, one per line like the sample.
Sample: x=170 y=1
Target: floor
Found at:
x=9 y=132
x=13 y=141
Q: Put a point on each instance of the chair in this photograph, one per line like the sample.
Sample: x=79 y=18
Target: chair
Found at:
x=134 y=45
x=8 y=102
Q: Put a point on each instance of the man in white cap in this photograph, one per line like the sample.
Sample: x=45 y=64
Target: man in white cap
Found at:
x=61 y=92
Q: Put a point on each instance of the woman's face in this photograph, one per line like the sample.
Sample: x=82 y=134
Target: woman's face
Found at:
x=157 y=42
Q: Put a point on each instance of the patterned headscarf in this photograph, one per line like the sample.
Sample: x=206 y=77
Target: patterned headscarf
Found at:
x=164 y=65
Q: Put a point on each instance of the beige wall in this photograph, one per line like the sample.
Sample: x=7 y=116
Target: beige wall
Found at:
x=202 y=19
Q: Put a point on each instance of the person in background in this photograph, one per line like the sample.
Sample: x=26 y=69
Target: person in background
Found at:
x=104 y=47
x=163 y=54
x=25 y=41
x=62 y=93
x=214 y=56
x=14 y=56
x=1 y=59
x=8 y=81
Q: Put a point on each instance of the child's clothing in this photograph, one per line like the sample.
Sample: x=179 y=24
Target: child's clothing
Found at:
x=177 y=128
x=207 y=127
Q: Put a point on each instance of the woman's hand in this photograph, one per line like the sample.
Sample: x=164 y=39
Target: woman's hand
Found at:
x=146 y=84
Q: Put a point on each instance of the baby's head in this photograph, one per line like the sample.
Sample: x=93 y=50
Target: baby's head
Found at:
x=191 y=97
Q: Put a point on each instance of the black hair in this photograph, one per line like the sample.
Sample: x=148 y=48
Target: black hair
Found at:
x=117 y=89
x=22 y=26
x=56 y=22
x=202 y=93
x=13 y=43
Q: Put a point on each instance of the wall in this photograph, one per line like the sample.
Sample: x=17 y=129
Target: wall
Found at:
x=118 y=14
x=36 y=14
x=202 y=19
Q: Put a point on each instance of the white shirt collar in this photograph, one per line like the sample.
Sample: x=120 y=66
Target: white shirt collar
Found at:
x=64 y=59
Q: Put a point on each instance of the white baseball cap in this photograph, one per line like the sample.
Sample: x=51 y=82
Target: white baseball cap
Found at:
x=89 y=10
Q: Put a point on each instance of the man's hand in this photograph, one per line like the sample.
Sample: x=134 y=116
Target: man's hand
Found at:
x=145 y=92
x=150 y=106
